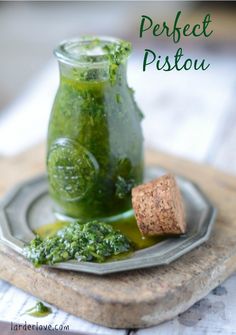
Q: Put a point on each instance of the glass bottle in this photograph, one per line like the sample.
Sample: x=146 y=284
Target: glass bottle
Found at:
x=95 y=143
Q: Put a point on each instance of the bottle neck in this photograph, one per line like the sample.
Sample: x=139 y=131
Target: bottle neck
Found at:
x=95 y=72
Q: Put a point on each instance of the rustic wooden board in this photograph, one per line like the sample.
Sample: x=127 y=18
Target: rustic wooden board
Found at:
x=138 y=298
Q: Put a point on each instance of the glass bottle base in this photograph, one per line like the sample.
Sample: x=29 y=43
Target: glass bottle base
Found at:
x=109 y=219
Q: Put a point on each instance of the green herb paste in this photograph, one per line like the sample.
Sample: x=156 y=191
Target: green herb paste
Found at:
x=39 y=310
x=92 y=242
x=95 y=143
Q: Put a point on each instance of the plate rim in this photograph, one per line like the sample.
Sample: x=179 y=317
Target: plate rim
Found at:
x=107 y=268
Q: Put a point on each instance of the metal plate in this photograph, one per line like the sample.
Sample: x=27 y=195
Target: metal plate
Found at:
x=29 y=206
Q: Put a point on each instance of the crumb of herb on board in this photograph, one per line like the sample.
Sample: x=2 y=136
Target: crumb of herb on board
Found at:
x=39 y=310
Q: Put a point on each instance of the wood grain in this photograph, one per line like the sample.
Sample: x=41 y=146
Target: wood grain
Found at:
x=137 y=298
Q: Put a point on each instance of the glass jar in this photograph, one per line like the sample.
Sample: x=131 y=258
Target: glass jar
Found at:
x=95 y=143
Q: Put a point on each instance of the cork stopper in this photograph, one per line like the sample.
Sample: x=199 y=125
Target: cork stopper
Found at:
x=159 y=208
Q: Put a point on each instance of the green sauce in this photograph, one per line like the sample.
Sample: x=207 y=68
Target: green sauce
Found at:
x=39 y=310
x=92 y=242
x=95 y=144
x=127 y=227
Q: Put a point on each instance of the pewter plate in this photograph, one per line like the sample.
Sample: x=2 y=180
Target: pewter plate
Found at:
x=28 y=206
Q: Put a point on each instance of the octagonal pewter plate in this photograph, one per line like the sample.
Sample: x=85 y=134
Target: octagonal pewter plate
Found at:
x=28 y=206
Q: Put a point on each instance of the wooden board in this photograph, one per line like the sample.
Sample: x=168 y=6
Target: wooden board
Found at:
x=137 y=298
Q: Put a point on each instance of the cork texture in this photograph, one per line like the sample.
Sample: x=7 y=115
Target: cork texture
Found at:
x=158 y=207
